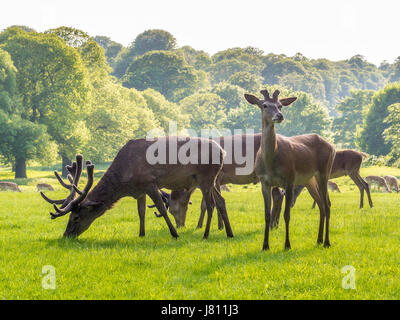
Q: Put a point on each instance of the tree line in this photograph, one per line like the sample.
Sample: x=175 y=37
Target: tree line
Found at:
x=63 y=92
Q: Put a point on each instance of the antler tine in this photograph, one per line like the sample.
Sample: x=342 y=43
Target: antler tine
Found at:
x=79 y=165
x=60 y=180
x=276 y=94
x=72 y=169
x=70 y=178
x=69 y=207
x=265 y=93
x=51 y=201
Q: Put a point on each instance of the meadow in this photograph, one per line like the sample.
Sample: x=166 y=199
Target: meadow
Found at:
x=110 y=261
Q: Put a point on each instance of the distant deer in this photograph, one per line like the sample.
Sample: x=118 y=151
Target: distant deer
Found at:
x=379 y=182
x=44 y=186
x=130 y=174
x=9 y=186
x=347 y=163
x=178 y=200
x=392 y=182
x=333 y=186
x=289 y=161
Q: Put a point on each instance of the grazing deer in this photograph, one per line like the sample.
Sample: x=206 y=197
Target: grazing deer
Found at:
x=9 y=186
x=44 y=186
x=333 y=186
x=131 y=174
x=379 y=182
x=178 y=200
x=286 y=162
x=392 y=182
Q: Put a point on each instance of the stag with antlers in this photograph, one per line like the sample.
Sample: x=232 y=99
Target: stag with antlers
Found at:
x=131 y=174
x=289 y=161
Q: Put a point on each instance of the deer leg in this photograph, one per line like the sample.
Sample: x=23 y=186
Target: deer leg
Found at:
x=141 y=205
x=154 y=194
x=220 y=219
x=286 y=215
x=208 y=200
x=266 y=191
x=221 y=207
x=202 y=213
x=361 y=187
x=323 y=188
x=312 y=188
x=277 y=199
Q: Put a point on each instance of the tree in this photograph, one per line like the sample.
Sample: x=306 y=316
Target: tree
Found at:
x=206 y=111
x=166 y=72
x=370 y=138
x=22 y=140
x=392 y=132
x=246 y=80
x=395 y=76
x=8 y=83
x=164 y=110
x=150 y=40
x=111 y=48
x=350 y=117
x=53 y=85
x=231 y=94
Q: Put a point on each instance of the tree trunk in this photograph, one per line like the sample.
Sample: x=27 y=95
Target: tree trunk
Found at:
x=65 y=162
x=20 y=168
x=13 y=167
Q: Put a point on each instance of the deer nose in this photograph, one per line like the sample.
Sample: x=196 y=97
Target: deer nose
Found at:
x=278 y=117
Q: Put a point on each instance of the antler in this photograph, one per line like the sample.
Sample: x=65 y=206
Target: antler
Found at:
x=275 y=95
x=165 y=198
x=265 y=94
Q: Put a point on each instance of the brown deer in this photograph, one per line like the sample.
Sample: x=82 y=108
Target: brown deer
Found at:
x=9 y=186
x=392 y=182
x=178 y=200
x=379 y=182
x=346 y=163
x=131 y=174
x=44 y=186
x=332 y=186
x=289 y=161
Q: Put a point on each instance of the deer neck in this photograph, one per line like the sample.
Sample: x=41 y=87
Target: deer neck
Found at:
x=107 y=192
x=269 y=144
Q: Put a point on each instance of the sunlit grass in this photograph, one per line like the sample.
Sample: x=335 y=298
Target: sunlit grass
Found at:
x=110 y=261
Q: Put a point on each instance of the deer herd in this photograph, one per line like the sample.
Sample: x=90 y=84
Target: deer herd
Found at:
x=283 y=165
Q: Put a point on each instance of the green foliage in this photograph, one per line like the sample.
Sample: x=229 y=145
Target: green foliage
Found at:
x=150 y=40
x=392 y=132
x=166 y=72
x=350 y=110
x=395 y=76
x=111 y=48
x=8 y=83
x=246 y=80
x=206 y=109
x=370 y=137
x=22 y=139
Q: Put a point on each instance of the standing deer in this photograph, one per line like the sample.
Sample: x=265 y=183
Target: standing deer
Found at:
x=178 y=200
x=346 y=163
x=9 y=186
x=44 y=186
x=131 y=174
x=392 y=182
x=379 y=181
x=286 y=162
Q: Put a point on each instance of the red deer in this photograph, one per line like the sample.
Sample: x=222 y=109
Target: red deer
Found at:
x=346 y=163
x=333 y=186
x=289 y=161
x=44 y=186
x=131 y=174
x=379 y=181
x=392 y=182
x=178 y=200
x=9 y=186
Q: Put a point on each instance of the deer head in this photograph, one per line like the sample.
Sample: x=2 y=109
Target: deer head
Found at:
x=81 y=209
x=270 y=107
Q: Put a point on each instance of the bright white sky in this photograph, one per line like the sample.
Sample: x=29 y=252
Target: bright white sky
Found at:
x=333 y=29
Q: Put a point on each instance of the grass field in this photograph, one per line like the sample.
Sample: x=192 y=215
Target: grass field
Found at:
x=110 y=261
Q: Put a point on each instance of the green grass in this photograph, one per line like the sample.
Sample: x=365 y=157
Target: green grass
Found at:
x=110 y=261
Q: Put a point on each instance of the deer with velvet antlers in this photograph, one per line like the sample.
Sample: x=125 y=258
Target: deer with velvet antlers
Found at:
x=289 y=161
x=131 y=174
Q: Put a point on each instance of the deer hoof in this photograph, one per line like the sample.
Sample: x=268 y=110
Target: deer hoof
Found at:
x=327 y=244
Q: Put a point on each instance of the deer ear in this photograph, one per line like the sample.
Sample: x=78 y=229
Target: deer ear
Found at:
x=288 y=101
x=92 y=204
x=252 y=99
